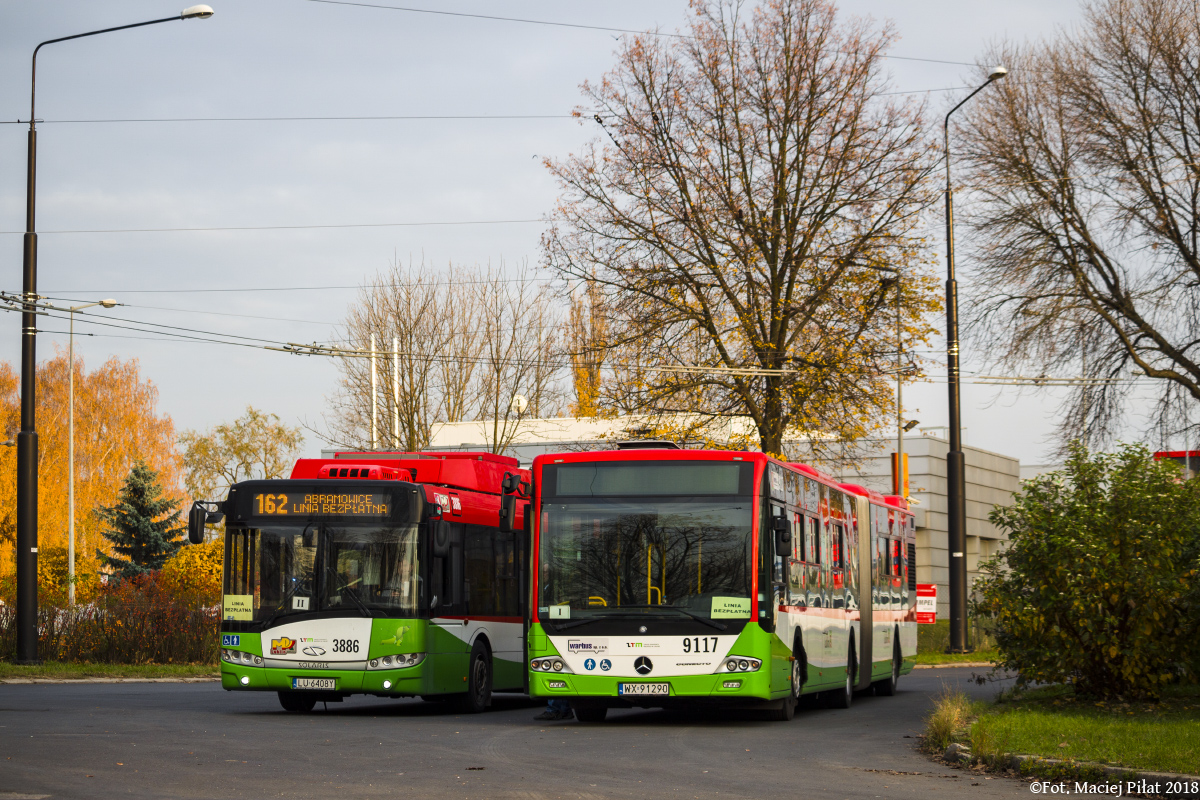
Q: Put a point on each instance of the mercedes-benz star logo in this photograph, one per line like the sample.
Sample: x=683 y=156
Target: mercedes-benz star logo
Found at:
x=643 y=665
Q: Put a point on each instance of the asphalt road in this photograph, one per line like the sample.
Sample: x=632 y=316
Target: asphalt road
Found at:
x=197 y=741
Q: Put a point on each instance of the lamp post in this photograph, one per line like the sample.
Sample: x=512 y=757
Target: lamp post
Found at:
x=71 y=444
x=27 y=438
x=956 y=488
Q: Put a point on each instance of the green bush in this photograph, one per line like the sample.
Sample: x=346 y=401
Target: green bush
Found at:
x=1098 y=586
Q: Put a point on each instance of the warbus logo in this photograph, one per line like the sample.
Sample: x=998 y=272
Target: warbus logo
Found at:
x=283 y=647
x=591 y=646
x=643 y=666
x=313 y=650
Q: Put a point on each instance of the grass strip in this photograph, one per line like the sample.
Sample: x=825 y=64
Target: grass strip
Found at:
x=55 y=670
x=934 y=657
x=1053 y=723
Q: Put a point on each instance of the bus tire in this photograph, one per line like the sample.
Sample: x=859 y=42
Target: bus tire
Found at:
x=296 y=702
x=479 y=679
x=590 y=713
x=887 y=686
x=842 y=698
x=799 y=669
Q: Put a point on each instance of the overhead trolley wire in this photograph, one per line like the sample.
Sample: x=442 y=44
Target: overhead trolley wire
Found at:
x=579 y=25
x=295 y=227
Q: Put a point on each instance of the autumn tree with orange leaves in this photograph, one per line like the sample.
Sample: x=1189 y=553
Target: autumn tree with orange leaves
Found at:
x=752 y=188
x=116 y=423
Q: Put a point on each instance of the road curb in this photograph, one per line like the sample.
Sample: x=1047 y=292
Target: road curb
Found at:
x=1029 y=765
x=213 y=679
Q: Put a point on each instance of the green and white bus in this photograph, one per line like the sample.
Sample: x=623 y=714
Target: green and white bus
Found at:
x=373 y=573
x=665 y=577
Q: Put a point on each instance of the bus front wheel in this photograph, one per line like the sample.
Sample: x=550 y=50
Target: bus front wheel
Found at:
x=590 y=713
x=479 y=680
x=297 y=702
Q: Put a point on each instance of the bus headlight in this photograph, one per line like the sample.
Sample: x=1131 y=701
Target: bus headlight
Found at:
x=396 y=661
x=549 y=665
x=739 y=664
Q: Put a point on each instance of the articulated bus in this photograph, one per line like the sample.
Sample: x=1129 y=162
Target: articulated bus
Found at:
x=665 y=577
x=373 y=573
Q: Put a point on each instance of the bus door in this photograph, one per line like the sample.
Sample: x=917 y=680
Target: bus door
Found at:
x=447 y=604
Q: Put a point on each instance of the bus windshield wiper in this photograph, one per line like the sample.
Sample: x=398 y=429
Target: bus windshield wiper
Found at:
x=610 y=615
x=347 y=592
x=718 y=625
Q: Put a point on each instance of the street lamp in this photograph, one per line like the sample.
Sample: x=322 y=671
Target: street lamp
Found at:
x=71 y=445
x=27 y=438
x=956 y=488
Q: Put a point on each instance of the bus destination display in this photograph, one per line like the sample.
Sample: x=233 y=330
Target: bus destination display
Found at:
x=346 y=504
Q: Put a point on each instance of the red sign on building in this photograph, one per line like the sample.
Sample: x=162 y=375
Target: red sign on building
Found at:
x=927 y=602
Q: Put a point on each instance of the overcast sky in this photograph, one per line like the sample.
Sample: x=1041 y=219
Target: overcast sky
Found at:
x=479 y=180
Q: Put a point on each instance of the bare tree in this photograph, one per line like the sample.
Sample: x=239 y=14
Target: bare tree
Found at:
x=450 y=346
x=1086 y=173
x=521 y=361
x=752 y=188
x=412 y=313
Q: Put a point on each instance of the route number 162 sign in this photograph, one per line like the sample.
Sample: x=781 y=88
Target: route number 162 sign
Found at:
x=926 y=603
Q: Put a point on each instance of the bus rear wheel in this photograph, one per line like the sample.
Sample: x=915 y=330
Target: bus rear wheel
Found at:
x=887 y=686
x=479 y=680
x=842 y=698
x=297 y=702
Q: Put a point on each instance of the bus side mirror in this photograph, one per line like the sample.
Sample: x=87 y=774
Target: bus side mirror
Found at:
x=508 y=502
x=439 y=539
x=783 y=535
x=199 y=516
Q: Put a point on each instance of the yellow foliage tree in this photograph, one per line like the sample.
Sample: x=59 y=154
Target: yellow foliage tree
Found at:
x=194 y=573
x=116 y=423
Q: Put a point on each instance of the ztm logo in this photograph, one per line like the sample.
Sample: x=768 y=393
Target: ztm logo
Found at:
x=633 y=644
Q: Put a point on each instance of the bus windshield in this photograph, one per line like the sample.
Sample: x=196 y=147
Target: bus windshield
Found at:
x=358 y=568
x=630 y=556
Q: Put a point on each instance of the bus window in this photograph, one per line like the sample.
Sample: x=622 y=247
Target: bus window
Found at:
x=897 y=557
x=481 y=572
x=814 y=541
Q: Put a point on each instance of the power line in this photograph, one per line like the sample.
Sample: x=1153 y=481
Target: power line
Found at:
x=578 y=25
x=382 y=118
x=304 y=119
x=294 y=227
x=380 y=284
